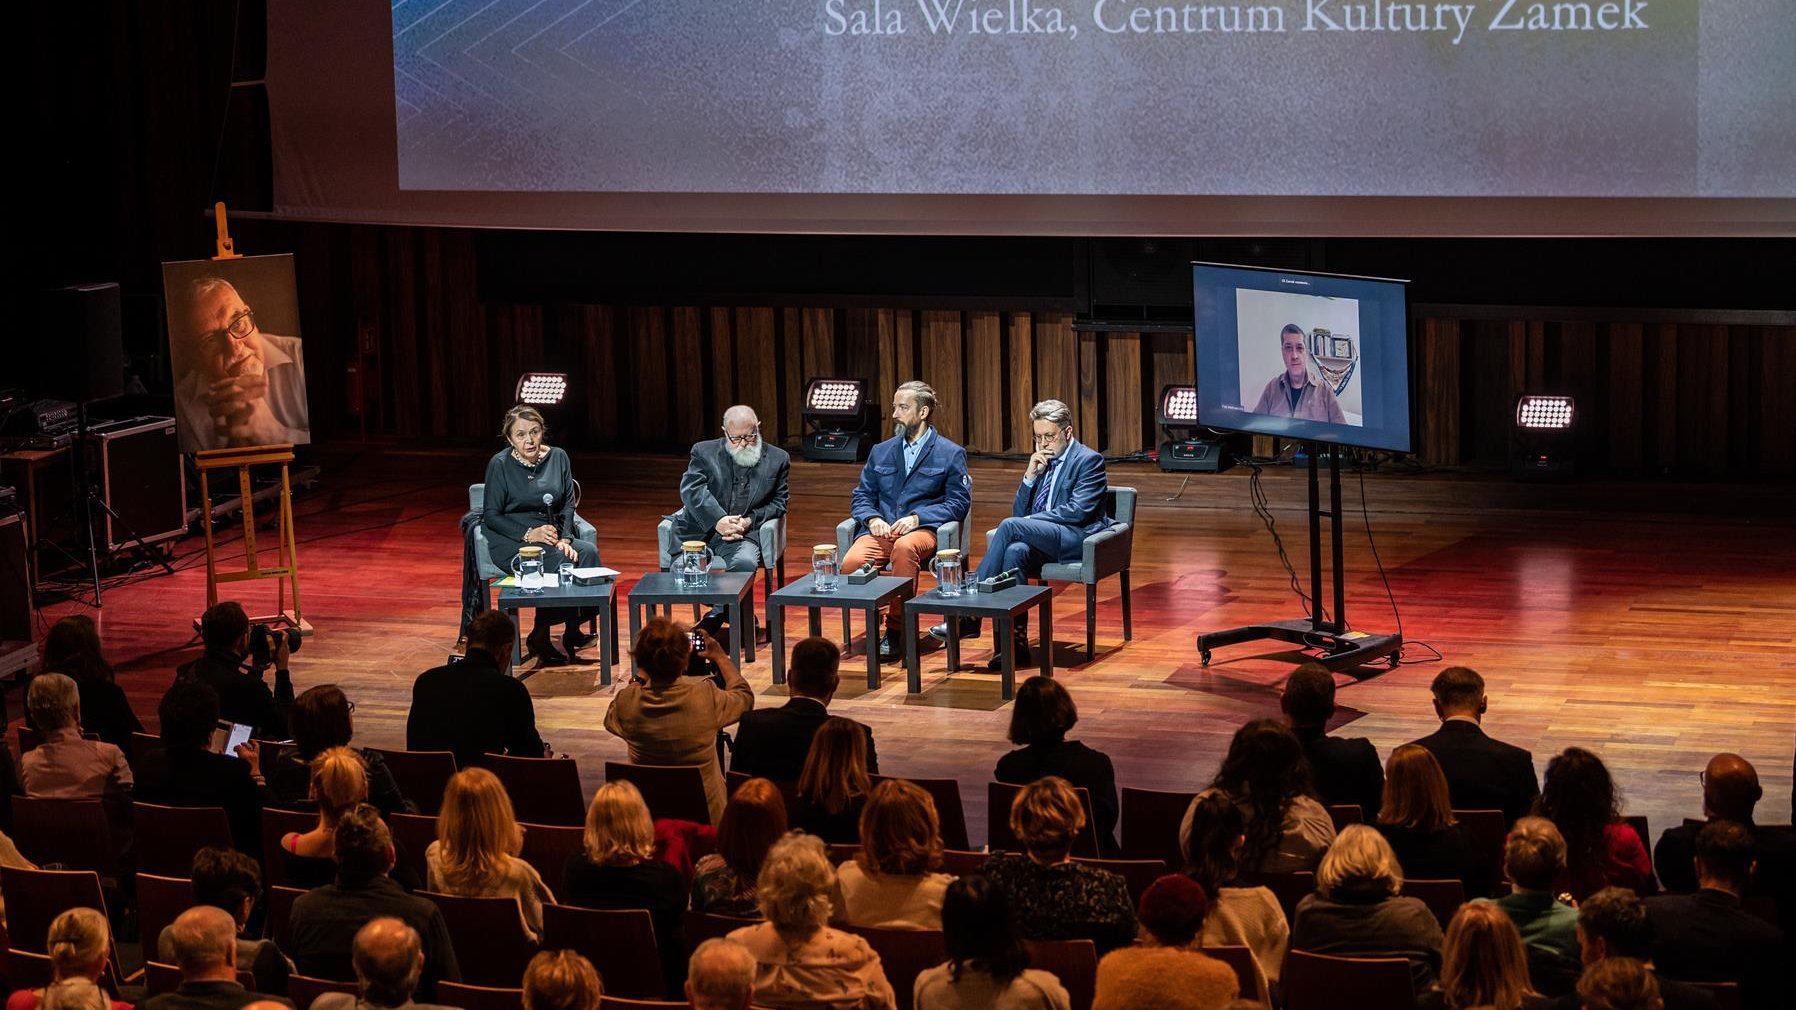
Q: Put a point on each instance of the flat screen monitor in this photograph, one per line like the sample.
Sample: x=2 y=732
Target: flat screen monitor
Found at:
x=1308 y=356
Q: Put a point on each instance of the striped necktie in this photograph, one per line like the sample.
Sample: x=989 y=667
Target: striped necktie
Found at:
x=1045 y=487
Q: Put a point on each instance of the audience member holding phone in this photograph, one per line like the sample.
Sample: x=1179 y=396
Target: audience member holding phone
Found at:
x=668 y=718
x=186 y=772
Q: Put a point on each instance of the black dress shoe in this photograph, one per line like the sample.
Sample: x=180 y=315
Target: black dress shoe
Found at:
x=573 y=640
x=969 y=628
x=1019 y=648
x=713 y=623
x=541 y=644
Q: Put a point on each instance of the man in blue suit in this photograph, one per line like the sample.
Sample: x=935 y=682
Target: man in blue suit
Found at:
x=1059 y=503
x=913 y=482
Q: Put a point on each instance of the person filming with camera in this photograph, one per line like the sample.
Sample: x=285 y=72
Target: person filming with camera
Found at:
x=235 y=665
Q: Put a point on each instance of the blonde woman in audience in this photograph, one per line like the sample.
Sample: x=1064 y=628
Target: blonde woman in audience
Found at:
x=1163 y=972
x=1239 y=916
x=723 y=882
x=617 y=868
x=476 y=850
x=1054 y=897
x=1482 y=964
x=80 y=947
x=802 y=963
x=561 y=980
x=1356 y=910
x=339 y=783
x=1266 y=775
x=892 y=882
x=987 y=966
x=834 y=785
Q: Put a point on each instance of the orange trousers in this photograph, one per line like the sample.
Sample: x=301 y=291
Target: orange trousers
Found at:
x=908 y=554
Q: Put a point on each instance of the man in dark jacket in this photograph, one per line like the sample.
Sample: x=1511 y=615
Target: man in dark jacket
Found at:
x=325 y=920
x=243 y=696
x=1344 y=769
x=184 y=772
x=1709 y=937
x=205 y=942
x=474 y=707
x=1482 y=773
x=1731 y=792
x=772 y=742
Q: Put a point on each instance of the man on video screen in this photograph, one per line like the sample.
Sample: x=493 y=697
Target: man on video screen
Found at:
x=1298 y=392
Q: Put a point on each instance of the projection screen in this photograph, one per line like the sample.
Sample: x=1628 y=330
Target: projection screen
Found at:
x=1302 y=117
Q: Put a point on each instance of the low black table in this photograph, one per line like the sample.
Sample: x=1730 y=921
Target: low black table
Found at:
x=602 y=595
x=999 y=609
x=868 y=597
x=733 y=591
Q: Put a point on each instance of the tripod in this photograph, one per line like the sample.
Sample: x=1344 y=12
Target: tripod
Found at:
x=90 y=499
x=1345 y=648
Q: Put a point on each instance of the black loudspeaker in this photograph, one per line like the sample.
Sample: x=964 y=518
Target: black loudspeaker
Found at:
x=15 y=580
x=80 y=347
x=137 y=469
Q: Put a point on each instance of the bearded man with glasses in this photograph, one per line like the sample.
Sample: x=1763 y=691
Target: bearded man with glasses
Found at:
x=242 y=386
x=731 y=486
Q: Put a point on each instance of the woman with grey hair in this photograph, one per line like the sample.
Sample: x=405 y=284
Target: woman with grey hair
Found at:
x=801 y=963
x=80 y=947
x=1357 y=912
x=66 y=765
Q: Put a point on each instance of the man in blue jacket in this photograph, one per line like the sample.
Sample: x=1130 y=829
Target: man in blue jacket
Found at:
x=1059 y=503
x=913 y=482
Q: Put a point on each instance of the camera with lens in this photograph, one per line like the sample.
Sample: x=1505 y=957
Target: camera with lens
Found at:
x=261 y=643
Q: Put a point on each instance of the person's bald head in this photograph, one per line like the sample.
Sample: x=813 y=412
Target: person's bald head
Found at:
x=388 y=958
x=720 y=976
x=1730 y=788
x=740 y=415
x=205 y=942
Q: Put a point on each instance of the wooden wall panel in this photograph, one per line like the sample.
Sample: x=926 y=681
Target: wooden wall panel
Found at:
x=693 y=420
x=1775 y=420
x=401 y=312
x=1090 y=381
x=1123 y=432
x=1057 y=363
x=943 y=367
x=985 y=384
x=596 y=329
x=1437 y=384
x=756 y=383
x=1019 y=361
x=650 y=378
x=1662 y=366
x=1626 y=345
x=720 y=338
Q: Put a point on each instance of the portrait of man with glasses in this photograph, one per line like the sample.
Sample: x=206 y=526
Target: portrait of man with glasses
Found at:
x=235 y=384
x=732 y=485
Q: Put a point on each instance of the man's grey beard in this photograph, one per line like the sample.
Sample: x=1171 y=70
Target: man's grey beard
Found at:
x=746 y=456
x=908 y=432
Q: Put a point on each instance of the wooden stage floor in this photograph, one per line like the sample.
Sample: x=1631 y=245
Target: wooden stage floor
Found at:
x=1654 y=623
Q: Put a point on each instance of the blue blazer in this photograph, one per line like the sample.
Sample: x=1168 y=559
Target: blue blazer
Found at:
x=938 y=490
x=1077 y=496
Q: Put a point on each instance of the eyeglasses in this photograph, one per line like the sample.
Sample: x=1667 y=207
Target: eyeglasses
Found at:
x=239 y=327
x=1047 y=439
x=351 y=704
x=749 y=439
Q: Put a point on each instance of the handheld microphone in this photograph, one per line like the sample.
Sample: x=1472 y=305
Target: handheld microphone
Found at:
x=548 y=499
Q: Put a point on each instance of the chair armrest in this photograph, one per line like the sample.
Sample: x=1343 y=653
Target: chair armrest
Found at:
x=771 y=535
x=947 y=536
x=483 y=558
x=664 y=543
x=584 y=530
x=844 y=537
x=1108 y=552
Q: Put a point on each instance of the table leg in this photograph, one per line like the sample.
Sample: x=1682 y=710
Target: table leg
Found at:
x=1006 y=654
x=913 y=671
x=735 y=611
x=776 y=628
x=816 y=621
x=517 y=640
x=607 y=619
x=635 y=630
x=953 y=644
x=748 y=608
x=872 y=649
x=1046 y=612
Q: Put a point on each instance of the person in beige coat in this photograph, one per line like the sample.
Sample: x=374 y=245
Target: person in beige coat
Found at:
x=672 y=719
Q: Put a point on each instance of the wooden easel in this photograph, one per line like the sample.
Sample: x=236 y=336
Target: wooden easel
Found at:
x=287 y=566
x=207 y=460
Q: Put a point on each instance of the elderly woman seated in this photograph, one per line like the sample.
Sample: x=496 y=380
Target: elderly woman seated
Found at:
x=1356 y=911
x=66 y=765
x=801 y=963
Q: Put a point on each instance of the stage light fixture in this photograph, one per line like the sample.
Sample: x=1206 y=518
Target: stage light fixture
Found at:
x=839 y=419
x=1544 y=442
x=1183 y=451
x=542 y=389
